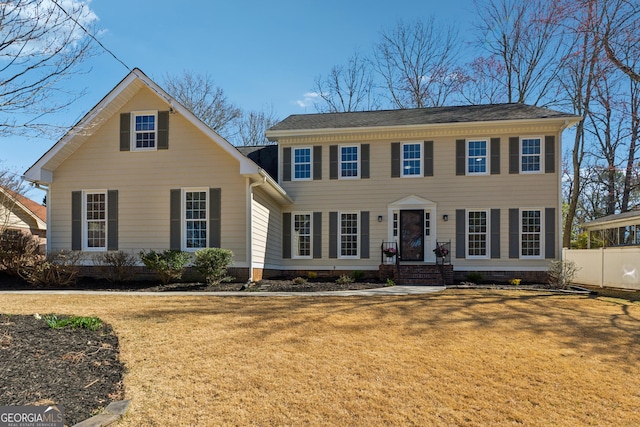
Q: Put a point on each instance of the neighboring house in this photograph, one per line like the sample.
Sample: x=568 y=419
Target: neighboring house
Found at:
x=140 y=171
x=19 y=213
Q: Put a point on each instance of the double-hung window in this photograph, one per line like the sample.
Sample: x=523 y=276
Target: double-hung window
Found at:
x=477 y=234
x=530 y=155
x=301 y=235
x=195 y=219
x=144 y=133
x=95 y=224
x=302 y=163
x=348 y=234
x=349 y=162
x=411 y=159
x=476 y=157
x=530 y=233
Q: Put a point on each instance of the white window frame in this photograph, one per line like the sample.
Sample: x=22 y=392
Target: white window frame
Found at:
x=85 y=222
x=420 y=159
x=341 y=161
x=539 y=233
x=184 y=220
x=487 y=234
x=486 y=156
x=294 y=236
x=357 y=235
x=541 y=155
x=135 y=114
x=294 y=163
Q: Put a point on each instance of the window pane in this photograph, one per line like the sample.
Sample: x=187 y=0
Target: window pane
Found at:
x=411 y=159
x=530 y=239
x=302 y=163
x=96 y=224
x=477 y=233
x=477 y=157
x=196 y=219
x=302 y=234
x=530 y=156
x=349 y=161
x=145 y=131
x=349 y=234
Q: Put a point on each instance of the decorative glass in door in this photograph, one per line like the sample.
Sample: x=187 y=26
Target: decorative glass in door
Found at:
x=412 y=223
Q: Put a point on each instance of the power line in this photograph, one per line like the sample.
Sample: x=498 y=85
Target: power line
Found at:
x=91 y=35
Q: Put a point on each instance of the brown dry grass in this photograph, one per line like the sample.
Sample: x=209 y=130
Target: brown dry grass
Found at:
x=455 y=358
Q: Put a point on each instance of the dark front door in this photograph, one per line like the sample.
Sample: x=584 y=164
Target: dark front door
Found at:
x=412 y=235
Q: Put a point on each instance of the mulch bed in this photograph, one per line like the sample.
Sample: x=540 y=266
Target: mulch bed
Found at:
x=76 y=368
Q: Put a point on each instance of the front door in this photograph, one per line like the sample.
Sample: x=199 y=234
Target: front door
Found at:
x=412 y=235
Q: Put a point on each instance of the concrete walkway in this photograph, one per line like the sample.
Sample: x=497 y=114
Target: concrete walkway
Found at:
x=391 y=290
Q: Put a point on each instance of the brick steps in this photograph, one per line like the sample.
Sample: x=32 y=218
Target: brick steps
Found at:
x=419 y=274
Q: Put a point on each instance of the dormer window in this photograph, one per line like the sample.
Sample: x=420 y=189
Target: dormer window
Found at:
x=144 y=130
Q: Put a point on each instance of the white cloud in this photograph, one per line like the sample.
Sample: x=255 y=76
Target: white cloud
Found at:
x=309 y=99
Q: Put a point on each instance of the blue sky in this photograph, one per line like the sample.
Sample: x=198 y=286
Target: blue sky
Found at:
x=260 y=53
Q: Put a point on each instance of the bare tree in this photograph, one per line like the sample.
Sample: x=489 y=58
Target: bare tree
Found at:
x=199 y=94
x=484 y=83
x=621 y=35
x=10 y=184
x=41 y=44
x=525 y=35
x=252 y=125
x=417 y=64
x=347 y=88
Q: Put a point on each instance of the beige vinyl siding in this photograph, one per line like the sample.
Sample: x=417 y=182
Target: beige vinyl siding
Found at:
x=448 y=191
x=144 y=180
x=12 y=216
x=267 y=231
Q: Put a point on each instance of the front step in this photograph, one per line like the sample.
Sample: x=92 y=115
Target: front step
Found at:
x=418 y=274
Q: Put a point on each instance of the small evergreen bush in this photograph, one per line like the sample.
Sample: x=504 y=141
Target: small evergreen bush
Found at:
x=344 y=280
x=115 y=266
x=299 y=281
x=212 y=263
x=474 y=277
x=168 y=264
x=358 y=275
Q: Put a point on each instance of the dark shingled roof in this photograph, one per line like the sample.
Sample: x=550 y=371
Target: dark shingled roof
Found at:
x=417 y=116
x=614 y=217
x=265 y=156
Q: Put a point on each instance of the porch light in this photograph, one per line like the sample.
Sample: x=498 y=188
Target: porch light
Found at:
x=379 y=218
x=445 y=217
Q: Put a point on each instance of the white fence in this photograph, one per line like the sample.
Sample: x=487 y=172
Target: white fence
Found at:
x=614 y=267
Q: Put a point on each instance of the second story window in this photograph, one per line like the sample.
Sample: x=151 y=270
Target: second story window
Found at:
x=349 y=161
x=476 y=157
x=530 y=155
x=411 y=159
x=302 y=163
x=144 y=131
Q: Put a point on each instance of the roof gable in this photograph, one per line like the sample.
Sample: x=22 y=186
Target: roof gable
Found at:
x=30 y=207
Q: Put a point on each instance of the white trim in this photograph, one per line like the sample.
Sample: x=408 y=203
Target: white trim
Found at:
x=133 y=132
x=420 y=173
x=487 y=156
x=520 y=155
x=293 y=163
x=294 y=246
x=542 y=234
x=358 y=161
x=358 y=234
x=487 y=234
x=183 y=216
x=413 y=202
x=85 y=221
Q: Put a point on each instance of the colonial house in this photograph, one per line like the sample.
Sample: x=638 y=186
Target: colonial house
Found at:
x=477 y=184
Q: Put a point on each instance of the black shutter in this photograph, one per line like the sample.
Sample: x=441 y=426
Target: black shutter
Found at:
x=333 y=234
x=549 y=154
x=495 y=156
x=364 y=234
x=286 y=164
x=333 y=162
x=550 y=233
x=317 y=162
x=495 y=233
x=317 y=234
x=215 y=217
x=461 y=247
x=461 y=151
x=514 y=233
x=364 y=161
x=163 y=130
x=428 y=158
x=112 y=220
x=395 y=160
x=125 y=132
x=514 y=154
x=175 y=202
x=76 y=220
x=286 y=235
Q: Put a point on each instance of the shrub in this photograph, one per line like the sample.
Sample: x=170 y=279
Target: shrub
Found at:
x=474 y=277
x=59 y=268
x=390 y=282
x=344 y=280
x=17 y=251
x=212 y=263
x=169 y=264
x=357 y=275
x=299 y=281
x=515 y=282
x=312 y=275
x=115 y=266
x=562 y=273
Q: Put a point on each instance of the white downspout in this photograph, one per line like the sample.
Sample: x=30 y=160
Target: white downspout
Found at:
x=48 y=198
x=250 y=223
